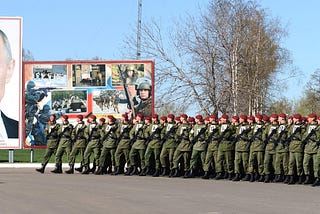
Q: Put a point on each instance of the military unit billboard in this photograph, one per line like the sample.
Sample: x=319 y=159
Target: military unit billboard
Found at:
x=10 y=82
x=83 y=87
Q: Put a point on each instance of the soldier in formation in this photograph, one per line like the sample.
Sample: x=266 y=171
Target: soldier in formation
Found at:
x=278 y=148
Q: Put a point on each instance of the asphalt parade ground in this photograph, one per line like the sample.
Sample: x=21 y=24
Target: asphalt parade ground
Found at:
x=23 y=190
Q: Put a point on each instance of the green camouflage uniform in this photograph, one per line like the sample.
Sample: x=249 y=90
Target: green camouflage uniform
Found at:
x=52 y=135
x=65 y=142
x=137 y=135
x=198 y=138
x=212 y=150
x=270 y=137
x=282 y=152
x=153 y=136
x=92 y=134
x=79 y=144
x=241 y=160
x=108 y=138
x=123 y=136
x=169 y=145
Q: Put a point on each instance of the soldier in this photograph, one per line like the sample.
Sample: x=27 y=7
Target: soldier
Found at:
x=108 y=138
x=317 y=180
x=92 y=134
x=310 y=141
x=184 y=147
x=52 y=135
x=225 y=148
x=295 y=133
x=282 y=151
x=143 y=100
x=79 y=144
x=64 y=144
x=168 y=144
x=270 y=137
x=198 y=140
x=137 y=137
x=123 y=141
x=255 y=143
x=212 y=150
x=241 y=151
x=153 y=139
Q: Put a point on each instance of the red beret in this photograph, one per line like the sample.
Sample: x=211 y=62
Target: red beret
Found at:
x=53 y=115
x=207 y=118
x=93 y=117
x=199 y=117
x=184 y=116
x=125 y=116
x=164 y=118
x=297 y=116
x=274 y=115
x=312 y=115
x=140 y=115
x=80 y=117
x=177 y=118
x=102 y=120
x=155 y=116
x=147 y=118
x=251 y=117
x=191 y=119
x=243 y=116
x=265 y=118
x=235 y=117
x=259 y=116
x=65 y=117
x=213 y=116
x=112 y=118
x=225 y=116
x=171 y=116
x=282 y=115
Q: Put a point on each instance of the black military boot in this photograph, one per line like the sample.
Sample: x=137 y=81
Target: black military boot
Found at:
x=286 y=180
x=267 y=178
x=156 y=173
x=189 y=174
x=277 y=178
x=99 y=171
x=246 y=178
x=252 y=178
x=70 y=170
x=261 y=178
x=219 y=176
x=143 y=172
x=237 y=177
x=93 y=169
x=175 y=173
x=79 y=169
x=41 y=170
x=86 y=170
x=291 y=180
x=58 y=169
x=116 y=171
x=230 y=176
x=316 y=182
x=128 y=171
x=164 y=171
x=308 y=180
x=134 y=170
x=206 y=175
x=300 y=180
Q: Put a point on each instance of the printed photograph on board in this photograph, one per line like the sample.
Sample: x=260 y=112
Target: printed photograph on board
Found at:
x=87 y=75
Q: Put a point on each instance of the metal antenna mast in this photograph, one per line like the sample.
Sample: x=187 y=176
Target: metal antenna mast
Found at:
x=139 y=29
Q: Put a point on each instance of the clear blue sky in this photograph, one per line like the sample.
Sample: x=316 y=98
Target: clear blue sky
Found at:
x=78 y=29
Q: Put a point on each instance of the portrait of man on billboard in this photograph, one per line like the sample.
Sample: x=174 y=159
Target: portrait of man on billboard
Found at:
x=8 y=126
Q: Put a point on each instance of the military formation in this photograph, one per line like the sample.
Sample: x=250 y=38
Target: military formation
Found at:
x=278 y=148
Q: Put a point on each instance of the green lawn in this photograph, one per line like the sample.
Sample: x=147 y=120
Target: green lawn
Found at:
x=24 y=156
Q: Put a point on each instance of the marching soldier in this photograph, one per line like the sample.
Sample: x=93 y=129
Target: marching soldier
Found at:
x=255 y=143
x=295 y=149
x=225 y=148
x=123 y=141
x=79 y=144
x=270 y=137
x=92 y=134
x=52 y=135
x=64 y=144
x=184 y=147
x=153 y=139
x=108 y=138
x=198 y=140
x=282 y=151
x=310 y=141
x=168 y=145
x=212 y=150
x=137 y=137
x=241 y=151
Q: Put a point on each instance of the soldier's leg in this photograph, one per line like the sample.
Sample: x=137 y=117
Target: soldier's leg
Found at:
x=299 y=163
x=163 y=157
x=103 y=156
x=176 y=157
x=117 y=155
x=156 y=153
x=229 y=162
x=315 y=165
x=194 y=157
x=147 y=157
x=220 y=163
x=132 y=156
x=306 y=164
x=285 y=163
x=208 y=160
x=96 y=152
x=171 y=153
x=202 y=158
x=49 y=152
x=251 y=162
x=186 y=160
x=59 y=155
x=260 y=157
x=266 y=164
x=142 y=157
x=237 y=162
x=113 y=158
